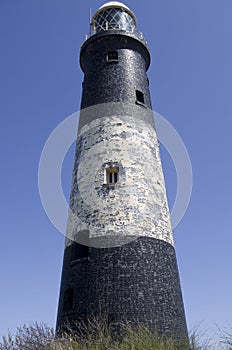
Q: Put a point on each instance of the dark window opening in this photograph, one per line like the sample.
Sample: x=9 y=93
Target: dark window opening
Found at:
x=80 y=246
x=139 y=97
x=112 y=56
x=79 y=251
x=112 y=175
x=68 y=300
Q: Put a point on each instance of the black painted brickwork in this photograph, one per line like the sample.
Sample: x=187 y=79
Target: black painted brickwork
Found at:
x=137 y=283
x=106 y=82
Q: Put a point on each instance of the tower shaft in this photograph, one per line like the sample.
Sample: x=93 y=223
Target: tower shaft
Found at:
x=119 y=258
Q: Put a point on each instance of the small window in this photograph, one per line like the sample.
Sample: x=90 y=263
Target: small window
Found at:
x=80 y=246
x=112 y=175
x=68 y=300
x=139 y=97
x=112 y=56
x=79 y=251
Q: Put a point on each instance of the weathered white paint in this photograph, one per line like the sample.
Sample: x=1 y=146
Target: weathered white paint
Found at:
x=137 y=206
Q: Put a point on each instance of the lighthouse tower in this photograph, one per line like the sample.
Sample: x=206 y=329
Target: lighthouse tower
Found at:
x=119 y=258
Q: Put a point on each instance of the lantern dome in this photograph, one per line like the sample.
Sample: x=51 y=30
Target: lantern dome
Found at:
x=113 y=15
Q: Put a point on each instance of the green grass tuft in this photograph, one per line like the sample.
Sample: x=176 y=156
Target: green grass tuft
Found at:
x=97 y=335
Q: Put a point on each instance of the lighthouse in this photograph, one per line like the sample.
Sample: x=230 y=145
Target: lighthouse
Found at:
x=119 y=257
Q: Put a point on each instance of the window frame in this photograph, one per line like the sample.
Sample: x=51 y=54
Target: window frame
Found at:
x=111 y=175
x=113 y=59
x=140 y=97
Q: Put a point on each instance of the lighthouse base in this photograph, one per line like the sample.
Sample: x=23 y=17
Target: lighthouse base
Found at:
x=136 y=283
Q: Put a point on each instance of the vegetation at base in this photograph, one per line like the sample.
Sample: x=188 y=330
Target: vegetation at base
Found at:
x=98 y=336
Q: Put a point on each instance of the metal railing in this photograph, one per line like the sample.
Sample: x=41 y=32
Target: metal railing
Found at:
x=137 y=33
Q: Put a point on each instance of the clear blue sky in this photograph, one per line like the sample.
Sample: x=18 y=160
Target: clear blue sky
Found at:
x=40 y=84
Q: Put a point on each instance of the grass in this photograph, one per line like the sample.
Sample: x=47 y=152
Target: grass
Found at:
x=97 y=336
